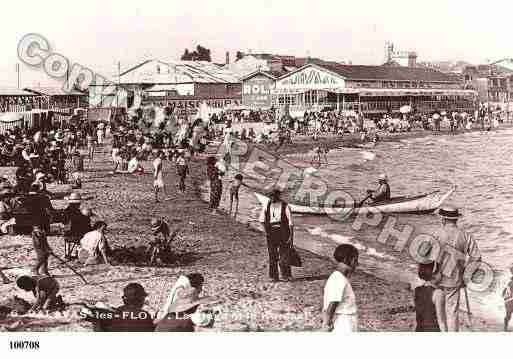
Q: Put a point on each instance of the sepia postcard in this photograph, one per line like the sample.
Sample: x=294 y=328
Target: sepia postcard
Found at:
x=273 y=166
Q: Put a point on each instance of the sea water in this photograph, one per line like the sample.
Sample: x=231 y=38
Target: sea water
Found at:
x=480 y=164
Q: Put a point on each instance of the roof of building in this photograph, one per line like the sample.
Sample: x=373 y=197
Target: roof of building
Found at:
x=269 y=74
x=52 y=91
x=156 y=71
x=392 y=73
x=12 y=91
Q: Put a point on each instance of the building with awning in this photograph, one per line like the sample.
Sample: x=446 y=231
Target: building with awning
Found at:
x=25 y=108
x=182 y=84
x=59 y=98
x=373 y=90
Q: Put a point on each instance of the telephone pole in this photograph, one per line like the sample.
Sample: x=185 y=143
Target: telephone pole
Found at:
x=18 y=74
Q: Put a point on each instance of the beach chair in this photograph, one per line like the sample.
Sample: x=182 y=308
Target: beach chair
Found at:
x=71 y=242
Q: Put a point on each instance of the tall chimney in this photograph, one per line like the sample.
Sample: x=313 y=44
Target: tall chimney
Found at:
x=412 y=59
x=227 y=57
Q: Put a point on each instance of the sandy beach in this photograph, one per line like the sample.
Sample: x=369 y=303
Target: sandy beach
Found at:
x=232 y=257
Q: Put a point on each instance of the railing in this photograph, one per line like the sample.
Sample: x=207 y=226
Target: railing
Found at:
x=346 y=106
x=386 y=106
x=35 y=106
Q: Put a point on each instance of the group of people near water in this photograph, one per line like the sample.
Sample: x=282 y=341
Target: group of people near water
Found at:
x=437 y=300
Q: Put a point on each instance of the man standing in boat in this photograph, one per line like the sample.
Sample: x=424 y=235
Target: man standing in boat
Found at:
x=453 y=238
x=276 y=218
x=382 y=193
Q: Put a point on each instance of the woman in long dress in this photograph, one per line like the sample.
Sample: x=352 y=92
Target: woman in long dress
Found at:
x=158 y=183
x=216 y=185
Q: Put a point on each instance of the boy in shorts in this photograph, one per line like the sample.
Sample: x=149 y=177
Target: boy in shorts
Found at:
x=234 y=192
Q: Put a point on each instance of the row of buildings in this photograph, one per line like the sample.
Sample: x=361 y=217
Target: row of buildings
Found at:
x=38 y=106
x=260 y=81
x=263 y=80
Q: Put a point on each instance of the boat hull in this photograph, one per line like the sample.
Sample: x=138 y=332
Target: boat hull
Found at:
x=419 y=205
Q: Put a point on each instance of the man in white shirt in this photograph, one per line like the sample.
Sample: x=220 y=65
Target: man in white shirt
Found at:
x=339 y=304
x=94 y=246
x=277 y=221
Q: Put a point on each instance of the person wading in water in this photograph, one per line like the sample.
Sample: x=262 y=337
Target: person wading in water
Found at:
x=277 y=220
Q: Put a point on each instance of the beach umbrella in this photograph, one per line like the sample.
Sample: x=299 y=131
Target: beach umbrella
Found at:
x=405 y=109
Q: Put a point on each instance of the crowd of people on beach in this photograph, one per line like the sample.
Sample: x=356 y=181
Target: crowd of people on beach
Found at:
x=42 y=157
x=283 y=128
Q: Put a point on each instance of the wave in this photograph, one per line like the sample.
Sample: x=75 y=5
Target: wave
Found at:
x=368 y=156
x=341 y=239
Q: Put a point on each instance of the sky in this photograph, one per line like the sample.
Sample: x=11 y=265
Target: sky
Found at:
x=99 y=33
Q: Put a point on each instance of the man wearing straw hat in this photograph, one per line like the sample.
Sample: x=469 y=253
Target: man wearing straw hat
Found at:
x=451 y=236
x=182 y=313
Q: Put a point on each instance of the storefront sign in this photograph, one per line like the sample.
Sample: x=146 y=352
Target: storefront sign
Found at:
x=256 y=92
x=312 y=79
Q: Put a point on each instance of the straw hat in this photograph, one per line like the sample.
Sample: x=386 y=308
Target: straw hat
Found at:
x=449 y=212
x=187 y=298
x=383 y=177
x=74 y=198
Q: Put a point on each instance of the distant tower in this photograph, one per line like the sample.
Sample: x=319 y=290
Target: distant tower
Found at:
x=227 y=57
x=389 y=51
x=412 y=59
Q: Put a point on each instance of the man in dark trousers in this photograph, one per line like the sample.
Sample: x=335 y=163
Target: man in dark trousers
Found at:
x=39 y=207
x=277 y=220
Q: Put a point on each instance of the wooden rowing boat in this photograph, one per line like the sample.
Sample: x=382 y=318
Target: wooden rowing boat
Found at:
x=424 y=203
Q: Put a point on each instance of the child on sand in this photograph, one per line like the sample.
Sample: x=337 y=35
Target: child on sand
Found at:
x=507 y=294
x=340 y=313
x=234 y=192
x=90 y=147
x=160 y=230
x=319 y=152
x=45 y=291
x=42 y=250
x=182 y=170
x=430 y=301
